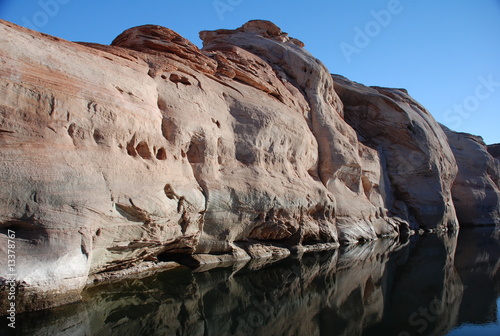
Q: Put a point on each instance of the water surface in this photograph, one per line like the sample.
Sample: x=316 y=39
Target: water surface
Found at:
x=430 y=285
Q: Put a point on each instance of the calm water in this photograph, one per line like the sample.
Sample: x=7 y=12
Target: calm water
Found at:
x=428 y=286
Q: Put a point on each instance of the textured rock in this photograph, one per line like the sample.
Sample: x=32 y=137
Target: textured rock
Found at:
x=151 y=149
x=349 y=171
x=476 y=190
x=89 y=182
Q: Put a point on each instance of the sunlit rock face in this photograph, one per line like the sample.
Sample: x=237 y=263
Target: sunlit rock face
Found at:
x=88 y=182
x=348 y=172
x=476 y=190
x=153 y=149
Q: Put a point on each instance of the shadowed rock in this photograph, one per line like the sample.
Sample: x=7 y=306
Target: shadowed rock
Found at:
x=476 y=190
x=494 y=150
x=417 y=158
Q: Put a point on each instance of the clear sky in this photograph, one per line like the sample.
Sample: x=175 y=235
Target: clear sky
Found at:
x=446 y=53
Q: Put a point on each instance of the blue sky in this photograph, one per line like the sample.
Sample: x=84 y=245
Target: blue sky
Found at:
x=445 y=53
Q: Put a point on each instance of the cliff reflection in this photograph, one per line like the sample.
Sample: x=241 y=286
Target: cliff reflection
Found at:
x=427 y=286
x=477 y=262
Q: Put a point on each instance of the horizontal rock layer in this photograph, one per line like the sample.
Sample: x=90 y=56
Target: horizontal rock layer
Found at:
x=153 y=149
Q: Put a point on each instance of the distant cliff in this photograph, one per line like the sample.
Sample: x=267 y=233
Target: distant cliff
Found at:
x=152 y=149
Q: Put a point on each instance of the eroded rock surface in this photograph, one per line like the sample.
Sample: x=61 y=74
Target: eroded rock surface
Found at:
x=349 y=172
x=153 y=149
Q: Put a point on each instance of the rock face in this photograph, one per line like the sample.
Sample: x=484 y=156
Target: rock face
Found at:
x=476 y=190
x=494 y=151
x=418 y=161
x=346 y=172
x=152 y=149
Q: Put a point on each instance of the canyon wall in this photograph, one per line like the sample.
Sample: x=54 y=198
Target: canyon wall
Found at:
x=153 y=149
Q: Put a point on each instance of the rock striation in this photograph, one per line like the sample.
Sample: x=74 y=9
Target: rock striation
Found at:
x=151 y=149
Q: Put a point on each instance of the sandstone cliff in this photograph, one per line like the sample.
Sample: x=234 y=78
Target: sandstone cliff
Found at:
x=154 y=149
x=418 y=160
x=476 y=190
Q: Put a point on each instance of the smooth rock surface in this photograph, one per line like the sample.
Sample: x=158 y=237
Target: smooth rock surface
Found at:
x=476 y=190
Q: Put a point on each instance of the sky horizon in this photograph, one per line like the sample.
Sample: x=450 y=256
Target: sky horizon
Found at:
x=444 y=53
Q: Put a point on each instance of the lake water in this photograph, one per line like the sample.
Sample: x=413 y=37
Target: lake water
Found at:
x=430 y=285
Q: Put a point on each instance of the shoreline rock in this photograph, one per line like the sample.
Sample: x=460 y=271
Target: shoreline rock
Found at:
x=153 y=149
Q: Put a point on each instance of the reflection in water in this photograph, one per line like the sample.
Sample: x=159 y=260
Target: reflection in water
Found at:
x=428 y=286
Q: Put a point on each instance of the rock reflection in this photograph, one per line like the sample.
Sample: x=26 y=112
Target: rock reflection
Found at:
x=427 y=286
x=423 y=289
x=478 y=263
